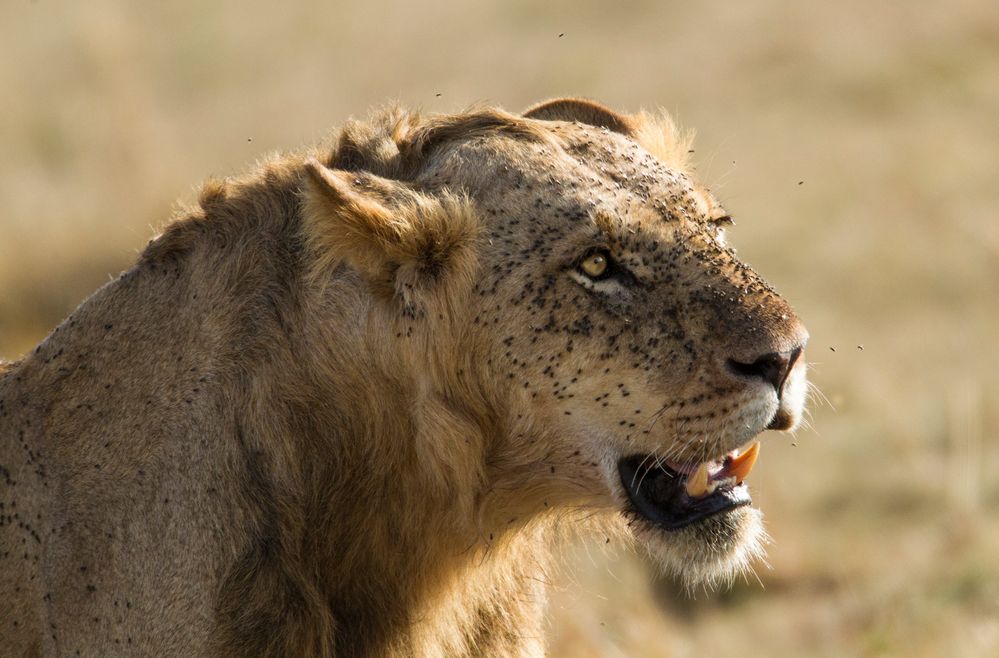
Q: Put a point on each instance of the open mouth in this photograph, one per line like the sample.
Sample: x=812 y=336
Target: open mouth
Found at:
x=673 y=495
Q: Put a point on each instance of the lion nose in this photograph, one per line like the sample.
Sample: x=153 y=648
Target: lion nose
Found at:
x=772 y=368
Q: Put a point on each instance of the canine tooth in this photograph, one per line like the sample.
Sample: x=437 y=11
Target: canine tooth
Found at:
x=697 y=482
x=740 y=466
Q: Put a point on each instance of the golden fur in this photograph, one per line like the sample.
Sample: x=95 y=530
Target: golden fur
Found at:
x=347 y=405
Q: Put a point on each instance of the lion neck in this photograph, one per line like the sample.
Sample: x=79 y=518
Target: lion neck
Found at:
x=385 y=497
x=404 y=502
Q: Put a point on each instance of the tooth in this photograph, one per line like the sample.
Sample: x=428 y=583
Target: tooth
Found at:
x=697 y=482
x=740 y=466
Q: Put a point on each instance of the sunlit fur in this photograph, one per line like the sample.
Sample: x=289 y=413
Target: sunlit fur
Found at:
x=350 y=404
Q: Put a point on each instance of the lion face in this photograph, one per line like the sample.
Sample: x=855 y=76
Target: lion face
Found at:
x=637 y=356
x=625 y=320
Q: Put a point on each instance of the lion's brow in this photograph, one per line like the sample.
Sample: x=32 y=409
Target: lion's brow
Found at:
x=605 y=223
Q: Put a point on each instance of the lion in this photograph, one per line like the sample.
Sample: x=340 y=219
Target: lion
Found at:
x=350 y=405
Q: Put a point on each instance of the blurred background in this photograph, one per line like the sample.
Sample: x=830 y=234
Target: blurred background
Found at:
x=855 y=142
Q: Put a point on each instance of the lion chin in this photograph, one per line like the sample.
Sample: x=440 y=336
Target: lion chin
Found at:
x=708 y=554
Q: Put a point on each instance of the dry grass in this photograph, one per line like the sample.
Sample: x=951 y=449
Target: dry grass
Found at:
x=856 y=142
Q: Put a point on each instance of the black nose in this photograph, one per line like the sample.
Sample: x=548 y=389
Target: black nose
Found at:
x=773 y=368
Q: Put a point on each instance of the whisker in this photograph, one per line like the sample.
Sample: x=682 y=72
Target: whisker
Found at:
x=647 y=471
x=815 y=393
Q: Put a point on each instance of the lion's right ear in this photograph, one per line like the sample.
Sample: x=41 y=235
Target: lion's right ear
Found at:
x=584 y=111
x=401 y=241
x=656 y=132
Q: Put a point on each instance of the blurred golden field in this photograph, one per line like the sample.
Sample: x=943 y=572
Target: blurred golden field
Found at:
x=856 y=143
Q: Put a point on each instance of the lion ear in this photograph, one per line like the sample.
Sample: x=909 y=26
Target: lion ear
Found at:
x=656 y=132
x=401 y=241
x=583 y=111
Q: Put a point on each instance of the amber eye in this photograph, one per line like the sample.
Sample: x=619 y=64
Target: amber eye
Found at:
x=595 y=265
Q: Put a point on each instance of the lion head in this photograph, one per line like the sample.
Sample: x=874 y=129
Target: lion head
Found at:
x=561 y=284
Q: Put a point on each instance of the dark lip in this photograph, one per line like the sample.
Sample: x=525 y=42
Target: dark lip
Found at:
x=658 y=495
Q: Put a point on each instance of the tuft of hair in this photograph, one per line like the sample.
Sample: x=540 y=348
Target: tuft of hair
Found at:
x=373 y=144
x=659 y=134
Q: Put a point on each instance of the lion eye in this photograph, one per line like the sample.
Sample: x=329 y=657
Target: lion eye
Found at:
x=595 y=265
